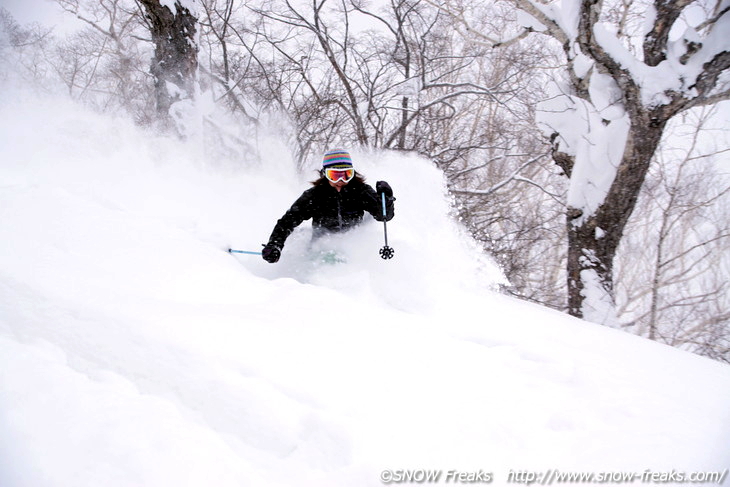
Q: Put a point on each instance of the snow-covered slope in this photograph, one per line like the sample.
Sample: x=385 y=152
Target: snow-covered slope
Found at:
x=135 y=351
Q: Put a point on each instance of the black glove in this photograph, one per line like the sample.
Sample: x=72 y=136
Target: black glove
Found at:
x=383 y=187
x=271 y=253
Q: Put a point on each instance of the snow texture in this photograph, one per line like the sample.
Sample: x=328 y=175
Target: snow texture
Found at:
x=135 y=351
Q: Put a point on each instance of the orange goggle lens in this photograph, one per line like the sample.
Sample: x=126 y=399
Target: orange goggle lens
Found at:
x=334 y=174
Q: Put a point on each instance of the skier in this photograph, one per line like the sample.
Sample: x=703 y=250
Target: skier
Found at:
x=336 y=202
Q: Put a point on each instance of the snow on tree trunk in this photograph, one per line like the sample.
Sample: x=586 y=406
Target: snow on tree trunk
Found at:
x=607 y=119
x=592 y=141
x=174 y=67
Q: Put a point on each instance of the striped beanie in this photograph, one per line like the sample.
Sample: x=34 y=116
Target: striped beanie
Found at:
x=338 y=158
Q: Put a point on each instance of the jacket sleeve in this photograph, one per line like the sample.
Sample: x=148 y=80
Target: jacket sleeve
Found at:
x=299 y=211
x=374 y=204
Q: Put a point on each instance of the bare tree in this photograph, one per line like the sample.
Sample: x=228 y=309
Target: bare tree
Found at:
x=394 y=84
x=104 y=63
x=24 y=47
x=673 y=263
x=226 y=51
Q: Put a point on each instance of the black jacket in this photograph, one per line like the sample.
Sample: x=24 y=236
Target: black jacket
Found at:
x=332 y=211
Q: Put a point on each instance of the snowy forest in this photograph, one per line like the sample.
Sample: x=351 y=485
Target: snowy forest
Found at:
x=586 y=143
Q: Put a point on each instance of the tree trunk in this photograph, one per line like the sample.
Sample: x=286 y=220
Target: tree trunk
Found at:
x=175 y=61
x=593 y=241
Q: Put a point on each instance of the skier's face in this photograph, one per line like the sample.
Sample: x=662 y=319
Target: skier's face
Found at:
x=337 y=185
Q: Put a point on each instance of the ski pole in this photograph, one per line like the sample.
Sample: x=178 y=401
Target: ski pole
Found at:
x=386 y=252
x=234 y=251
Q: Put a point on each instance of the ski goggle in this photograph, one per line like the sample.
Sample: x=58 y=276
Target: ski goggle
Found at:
x=335 y=174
